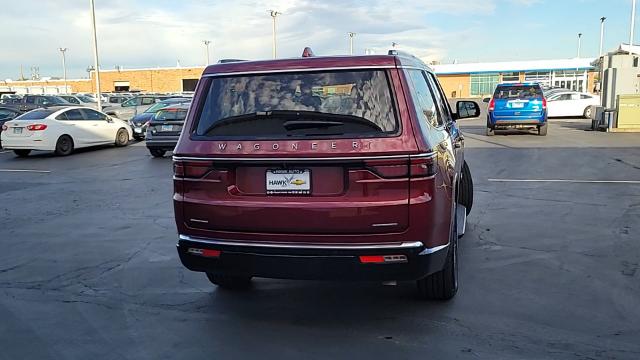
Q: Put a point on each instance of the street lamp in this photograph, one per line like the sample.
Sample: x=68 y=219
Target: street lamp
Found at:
x=602 y=19
x=579 y=43
x=96 y=63
x=274 y=14
x=64 y=68
x=206 y=45
x=351 y=35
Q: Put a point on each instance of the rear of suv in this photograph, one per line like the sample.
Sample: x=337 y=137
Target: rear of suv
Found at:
x=329 y=168
x=163 y=130
x=517 y=106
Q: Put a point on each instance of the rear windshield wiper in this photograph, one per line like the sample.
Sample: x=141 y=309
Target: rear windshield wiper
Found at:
x=239 y=118
x=313 y=124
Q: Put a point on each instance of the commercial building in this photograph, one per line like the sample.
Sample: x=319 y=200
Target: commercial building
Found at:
x=162 y=80
x=480 y=79
x=458 y=80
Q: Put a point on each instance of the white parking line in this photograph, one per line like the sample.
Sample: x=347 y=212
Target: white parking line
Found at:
x=26 y=171
x=568 y=181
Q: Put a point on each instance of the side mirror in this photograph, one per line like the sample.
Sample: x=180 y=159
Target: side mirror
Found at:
x=467 y=109
x=109 y=119
x=486 y=100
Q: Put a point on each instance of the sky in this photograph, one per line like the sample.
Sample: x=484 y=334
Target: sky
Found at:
x=161 y=33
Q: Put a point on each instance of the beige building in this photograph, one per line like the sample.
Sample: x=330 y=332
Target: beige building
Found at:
x=458 y=80
x=163 y=80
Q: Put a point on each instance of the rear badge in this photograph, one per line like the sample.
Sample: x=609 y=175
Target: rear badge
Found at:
x=288 y=182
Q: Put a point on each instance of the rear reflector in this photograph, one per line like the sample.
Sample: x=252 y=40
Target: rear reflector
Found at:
x=383 y=259
x=204 y=252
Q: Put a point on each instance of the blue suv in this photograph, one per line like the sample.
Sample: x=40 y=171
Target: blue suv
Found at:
x=517 y=106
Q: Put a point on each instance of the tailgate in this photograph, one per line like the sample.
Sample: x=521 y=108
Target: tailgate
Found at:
x=305 y=196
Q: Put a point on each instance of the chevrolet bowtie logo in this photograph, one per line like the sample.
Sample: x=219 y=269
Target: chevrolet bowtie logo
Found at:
x=298 y=182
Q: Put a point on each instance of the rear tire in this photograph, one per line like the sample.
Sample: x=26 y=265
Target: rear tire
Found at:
x=465 y=189
x=22 y=152
x=122 y=138
x=157 y=153
x=64 y=145
x=443 y=285
x=490 y=131
x=587 y=113
x=229 y=282
x=542 y=130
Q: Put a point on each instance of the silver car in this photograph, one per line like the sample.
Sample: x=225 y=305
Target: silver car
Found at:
x=132 y=107
x=80 y=100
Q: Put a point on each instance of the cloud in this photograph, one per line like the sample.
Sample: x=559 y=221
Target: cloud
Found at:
x=159 y=33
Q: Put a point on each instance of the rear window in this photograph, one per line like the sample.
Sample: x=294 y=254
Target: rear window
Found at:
x=518 y=92
x=36 y=114
x=171 y=115
x=337 y=103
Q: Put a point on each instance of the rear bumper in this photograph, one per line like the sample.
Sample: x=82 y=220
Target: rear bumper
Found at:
x=162 y=142
x=26 y=143
x=516 y=121
x=311 y=262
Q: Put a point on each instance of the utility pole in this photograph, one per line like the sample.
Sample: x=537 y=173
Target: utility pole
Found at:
x=64 y=68
x=633 y=23
x=602 y=19
x=96 y=63
x=274 y=14
x=351 y=35
x=206 y=45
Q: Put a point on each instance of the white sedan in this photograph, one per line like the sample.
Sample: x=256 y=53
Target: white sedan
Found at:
x=571 y=103
x=63 y=129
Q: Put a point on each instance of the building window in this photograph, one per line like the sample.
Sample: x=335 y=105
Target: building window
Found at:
x=511 y=77
x=484 y=84
x=540 y=77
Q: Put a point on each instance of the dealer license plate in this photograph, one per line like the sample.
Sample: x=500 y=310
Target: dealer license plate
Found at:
x=288 y=182
x=17 y=130
x=166 y=128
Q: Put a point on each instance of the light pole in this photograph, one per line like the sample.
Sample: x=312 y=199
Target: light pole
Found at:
x=351 y=35
x=274 y=14
x=602 y=19
x=633 y=23
x=579 y=43
x=64 y=68
x=206 y=45
x=96 y=63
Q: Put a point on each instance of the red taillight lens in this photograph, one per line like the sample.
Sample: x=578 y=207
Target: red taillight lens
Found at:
x=37 y=127
x=5 y=127
x=544 y=103
x=204 y=252
x=390 y=169
x=492 y=105
x=191 y=169
x=422 y=167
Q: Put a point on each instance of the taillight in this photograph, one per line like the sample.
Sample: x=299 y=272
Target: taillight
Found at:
x=422 y=167
x=416 y=167
x=5 y=127
x=37 y=127
x=544 y=103
x=492 y=104
x=383 y=259
x=191 y=169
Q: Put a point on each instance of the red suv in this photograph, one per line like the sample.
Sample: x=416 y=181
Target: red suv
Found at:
x=332 y=168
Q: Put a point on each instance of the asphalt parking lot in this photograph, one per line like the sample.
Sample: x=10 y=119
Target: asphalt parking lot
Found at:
x=548 y=269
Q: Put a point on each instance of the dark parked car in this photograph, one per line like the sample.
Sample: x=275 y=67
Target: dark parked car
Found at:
x=139 y=122
x=7 y=114
x=517 y=106
x=334 y=168
x=164 y=129
x=30 y=102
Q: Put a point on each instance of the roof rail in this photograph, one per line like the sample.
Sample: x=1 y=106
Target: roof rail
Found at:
x=400 y=53
x=224 y=61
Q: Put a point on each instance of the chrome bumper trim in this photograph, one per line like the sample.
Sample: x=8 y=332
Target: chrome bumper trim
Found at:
x=404 y=245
